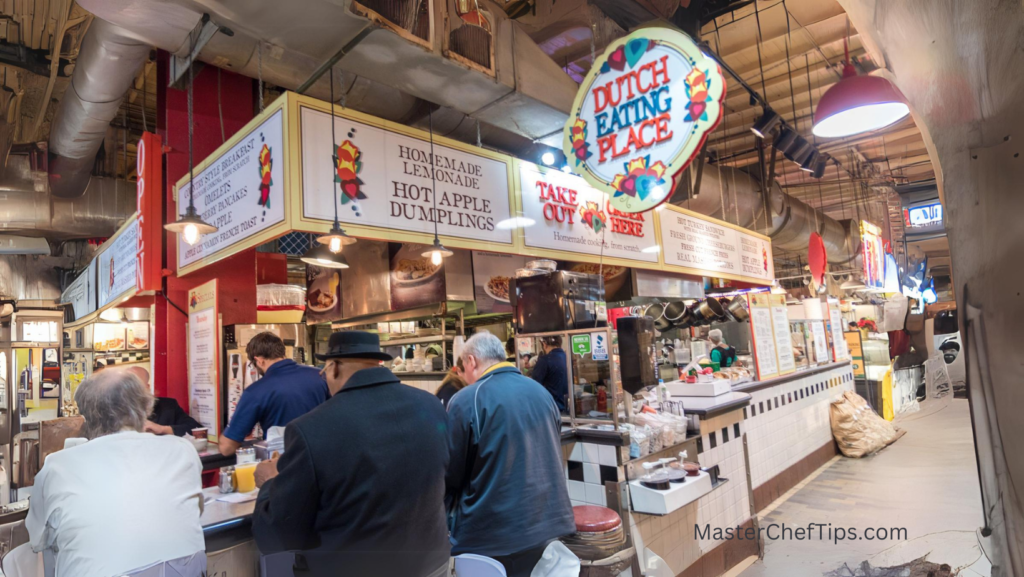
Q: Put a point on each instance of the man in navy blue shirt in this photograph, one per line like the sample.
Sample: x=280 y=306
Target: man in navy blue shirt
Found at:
x=551 y=371
x=286 y=391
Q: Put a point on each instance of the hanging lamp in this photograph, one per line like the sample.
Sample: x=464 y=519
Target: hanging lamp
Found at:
x=857 y=104
x=321 y=255
x=437 y=252
x=190 y=225
x=337 y=238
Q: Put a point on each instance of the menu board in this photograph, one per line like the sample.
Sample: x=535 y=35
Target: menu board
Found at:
x=138 y=336
x=820 y=342
x=204 y=357
x=81 y=293
x=241 y=192
x=108 y=337
x=491 y=275
x=384 y=180
x=783 y=340
x=569 y=215
x=835 y=318
x=117 y=265
x=761 y=329
x=714 y=247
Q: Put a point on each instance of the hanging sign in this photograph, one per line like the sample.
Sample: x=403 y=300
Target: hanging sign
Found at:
x=783 y=340
x=821 y=354
x=204 y=357
x=149 y=207
x=714 y=247
x=762 y=333
x=117 y=264
x=817 y=258
x=241 y=192
x=384 y=180
x=81 y=293
x=640 y=116
x=873 y=255
x=572 y=216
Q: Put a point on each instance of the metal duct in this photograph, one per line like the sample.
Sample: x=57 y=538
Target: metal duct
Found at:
x=734 y=196
x=26 y=208
x=529 y=94
x=30 y=277
x=107 y=64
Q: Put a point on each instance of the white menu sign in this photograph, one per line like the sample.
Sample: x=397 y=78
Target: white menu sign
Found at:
x=714 y=247
x=783 y=340
x=764 y=337
x=838 y=340
x=81 y=293
x=204 y=357
x=117 y=266
x=571 y=216
x=820 y=342
x=384 y=180
x=241 y=192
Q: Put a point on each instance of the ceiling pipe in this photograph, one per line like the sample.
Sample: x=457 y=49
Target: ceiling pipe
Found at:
x=734 y=196
x=107 y=64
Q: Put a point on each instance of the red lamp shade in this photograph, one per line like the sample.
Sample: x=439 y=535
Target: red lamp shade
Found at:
x=817 y=258
x=858 y=104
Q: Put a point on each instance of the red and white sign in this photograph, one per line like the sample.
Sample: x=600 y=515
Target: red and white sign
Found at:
x=640 y=116
x=149 y=167
x=571 y=216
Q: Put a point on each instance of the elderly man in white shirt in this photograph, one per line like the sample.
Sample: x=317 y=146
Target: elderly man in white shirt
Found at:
x=125 y=500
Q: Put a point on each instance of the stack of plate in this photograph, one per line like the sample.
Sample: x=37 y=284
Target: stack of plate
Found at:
x=599 y=533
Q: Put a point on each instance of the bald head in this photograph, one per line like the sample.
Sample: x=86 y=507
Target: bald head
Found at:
x=113 y=401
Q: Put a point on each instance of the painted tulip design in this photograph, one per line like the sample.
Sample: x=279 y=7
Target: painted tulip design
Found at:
x=346 y=166
x=579 y=141
x=640 y=179
x=266 y=181
x=697 y=84
x=593 y=216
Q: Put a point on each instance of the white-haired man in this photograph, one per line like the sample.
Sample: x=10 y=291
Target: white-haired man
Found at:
x=125 y=500
x=505 y=484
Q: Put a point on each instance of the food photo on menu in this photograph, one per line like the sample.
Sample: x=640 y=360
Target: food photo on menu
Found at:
x=323 y=294
x=415 y=280
x=492 y=273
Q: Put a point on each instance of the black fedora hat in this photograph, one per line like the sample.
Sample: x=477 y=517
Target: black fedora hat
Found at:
x=354 y=345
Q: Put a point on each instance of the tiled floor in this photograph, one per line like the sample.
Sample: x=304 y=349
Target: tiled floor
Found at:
x=926 y=482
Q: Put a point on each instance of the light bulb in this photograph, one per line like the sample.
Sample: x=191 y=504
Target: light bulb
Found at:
x=191 y=233
x=548 y=158
x=323 y=261
x=435 y=257
x=335 y=244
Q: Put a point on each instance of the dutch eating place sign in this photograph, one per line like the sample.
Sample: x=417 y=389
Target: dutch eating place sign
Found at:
x=641 y=115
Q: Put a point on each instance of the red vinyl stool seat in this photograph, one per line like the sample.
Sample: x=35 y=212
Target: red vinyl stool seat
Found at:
x=595 y=519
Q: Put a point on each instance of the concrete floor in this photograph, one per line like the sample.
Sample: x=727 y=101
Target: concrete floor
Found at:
x=926 y=482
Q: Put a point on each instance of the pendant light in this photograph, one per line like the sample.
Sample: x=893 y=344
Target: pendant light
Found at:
x=437 y=252
x=337 y=238
x=321 y=255
x=190 y=225
x=857 y=104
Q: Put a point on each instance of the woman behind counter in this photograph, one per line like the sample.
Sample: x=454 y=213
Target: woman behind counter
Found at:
x=453 y=382
x=721 y=352
x=551 y=371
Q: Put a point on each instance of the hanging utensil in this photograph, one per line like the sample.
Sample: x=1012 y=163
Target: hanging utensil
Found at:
x=737 y=309
x=707 y=310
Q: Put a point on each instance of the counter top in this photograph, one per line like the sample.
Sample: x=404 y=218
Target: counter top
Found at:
x=708 y=407
x=219 y=516
x=758 y=385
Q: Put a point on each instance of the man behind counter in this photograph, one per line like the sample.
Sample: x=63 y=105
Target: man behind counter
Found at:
x=286 y=391
x=360 y=485
x=167 y=417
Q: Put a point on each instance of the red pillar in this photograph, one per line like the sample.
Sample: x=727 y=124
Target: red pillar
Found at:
x=236 y=103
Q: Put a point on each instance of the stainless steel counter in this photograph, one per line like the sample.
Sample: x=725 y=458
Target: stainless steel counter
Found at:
x=225 y=525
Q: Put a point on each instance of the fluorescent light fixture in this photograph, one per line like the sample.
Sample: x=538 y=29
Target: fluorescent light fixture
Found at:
x=515 y=222
x=652 y=249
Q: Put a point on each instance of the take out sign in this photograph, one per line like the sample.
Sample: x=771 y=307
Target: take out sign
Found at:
x=641 y=115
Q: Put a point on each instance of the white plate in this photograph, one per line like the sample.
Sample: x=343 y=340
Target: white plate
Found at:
x=487 y=289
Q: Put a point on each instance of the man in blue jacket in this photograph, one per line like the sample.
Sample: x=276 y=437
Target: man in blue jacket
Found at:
x=506 y=487
x=551 y=371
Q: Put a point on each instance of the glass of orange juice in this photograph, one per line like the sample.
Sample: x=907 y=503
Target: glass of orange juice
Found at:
x=245 y=477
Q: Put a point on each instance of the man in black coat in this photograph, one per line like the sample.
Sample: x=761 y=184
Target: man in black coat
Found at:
x=360 y=487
